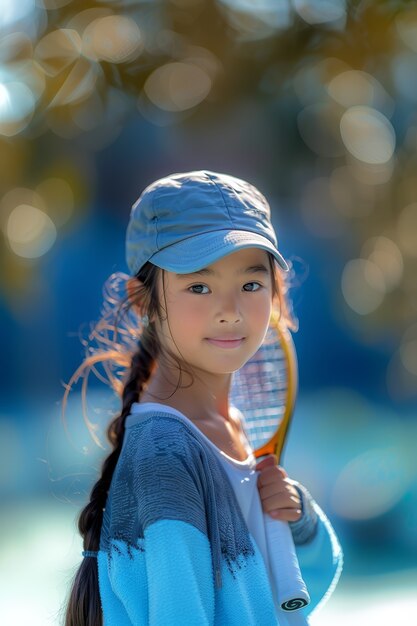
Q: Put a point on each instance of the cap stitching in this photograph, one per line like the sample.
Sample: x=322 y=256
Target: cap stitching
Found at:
x=215 y=247
x=218 y=246
x=247 y=234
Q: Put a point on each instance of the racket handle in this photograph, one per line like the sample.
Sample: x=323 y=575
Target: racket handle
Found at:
x=291 y=590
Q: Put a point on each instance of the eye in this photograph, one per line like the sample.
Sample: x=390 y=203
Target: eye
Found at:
x=255 y=283
x=194 y=287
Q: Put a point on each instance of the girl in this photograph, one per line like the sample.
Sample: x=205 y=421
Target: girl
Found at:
x=174 y=533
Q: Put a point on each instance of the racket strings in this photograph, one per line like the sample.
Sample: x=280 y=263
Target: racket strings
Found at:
x=259 y=389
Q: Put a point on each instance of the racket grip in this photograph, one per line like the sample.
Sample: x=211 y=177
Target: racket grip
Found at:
x=291 y=590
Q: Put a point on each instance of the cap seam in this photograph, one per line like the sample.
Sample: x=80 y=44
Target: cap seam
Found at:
x=221 y=194
x=155 y=221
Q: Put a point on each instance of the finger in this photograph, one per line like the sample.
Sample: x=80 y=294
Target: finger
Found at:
x=281 y=471
x=271 y=474
x=279 y=501
x=285 y=498
x=268 y=461
x=287 y=515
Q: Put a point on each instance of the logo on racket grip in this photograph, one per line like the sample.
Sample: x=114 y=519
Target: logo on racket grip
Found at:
x=294 y=604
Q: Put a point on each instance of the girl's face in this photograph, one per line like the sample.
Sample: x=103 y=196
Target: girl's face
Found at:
x=232 y=297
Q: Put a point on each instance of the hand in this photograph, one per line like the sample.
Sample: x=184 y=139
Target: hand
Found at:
x=279 y=497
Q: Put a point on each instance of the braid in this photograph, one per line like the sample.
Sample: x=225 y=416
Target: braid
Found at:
x=84 y=608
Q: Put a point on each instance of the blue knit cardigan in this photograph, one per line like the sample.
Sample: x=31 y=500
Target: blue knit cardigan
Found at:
x=174 y=547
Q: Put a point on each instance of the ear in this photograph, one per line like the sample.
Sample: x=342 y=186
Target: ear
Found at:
x=132 y=285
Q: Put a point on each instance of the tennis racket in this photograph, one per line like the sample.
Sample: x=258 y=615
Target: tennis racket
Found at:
x=264 y=391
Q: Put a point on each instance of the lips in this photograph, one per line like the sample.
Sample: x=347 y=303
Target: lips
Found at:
x=226 y=343
x=227 y=338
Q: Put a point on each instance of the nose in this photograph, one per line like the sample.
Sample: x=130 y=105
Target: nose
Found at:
x=230 y=310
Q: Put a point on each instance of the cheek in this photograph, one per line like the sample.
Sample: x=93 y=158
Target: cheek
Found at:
x=260 y=310
x=187 y=316
x=195 y=306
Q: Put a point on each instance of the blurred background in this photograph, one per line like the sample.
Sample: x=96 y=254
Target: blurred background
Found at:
x=313 y=101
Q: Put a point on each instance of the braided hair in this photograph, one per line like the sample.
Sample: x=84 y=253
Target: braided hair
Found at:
x=83 y=605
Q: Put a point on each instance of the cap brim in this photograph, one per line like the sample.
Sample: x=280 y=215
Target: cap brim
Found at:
x=194 y=253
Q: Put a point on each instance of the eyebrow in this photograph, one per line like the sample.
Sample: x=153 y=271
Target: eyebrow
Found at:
x=252 y=269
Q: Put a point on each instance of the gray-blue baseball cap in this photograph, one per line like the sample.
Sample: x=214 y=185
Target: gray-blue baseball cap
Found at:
x=186 y=221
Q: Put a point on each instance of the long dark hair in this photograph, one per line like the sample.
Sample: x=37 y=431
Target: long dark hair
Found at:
x=138 y=360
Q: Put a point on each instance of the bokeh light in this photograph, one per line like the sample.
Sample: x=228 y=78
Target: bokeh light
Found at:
x=254 y=20
x=79 y=84
x=321 y=11
x=114 y=38
x=407 y=229
x=386 y=255
x=355 y=87
x=178 y=86
x=17 y=105
x=363 y=285
x=57 y=50
x=311 y=81
x=367 y=134
x=406 y=24
x=12 y=11
x=372 y=483
x=30 y=232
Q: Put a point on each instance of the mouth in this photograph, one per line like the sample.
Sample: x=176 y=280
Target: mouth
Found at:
x=226 y=343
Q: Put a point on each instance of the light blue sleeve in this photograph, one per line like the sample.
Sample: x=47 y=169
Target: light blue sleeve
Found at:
x=178 y=568
x=172 y=514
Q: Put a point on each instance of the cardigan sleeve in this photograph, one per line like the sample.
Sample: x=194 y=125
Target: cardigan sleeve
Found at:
x=319 y=552
x=304 y=529
x=178 y=569
x=172 y=516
